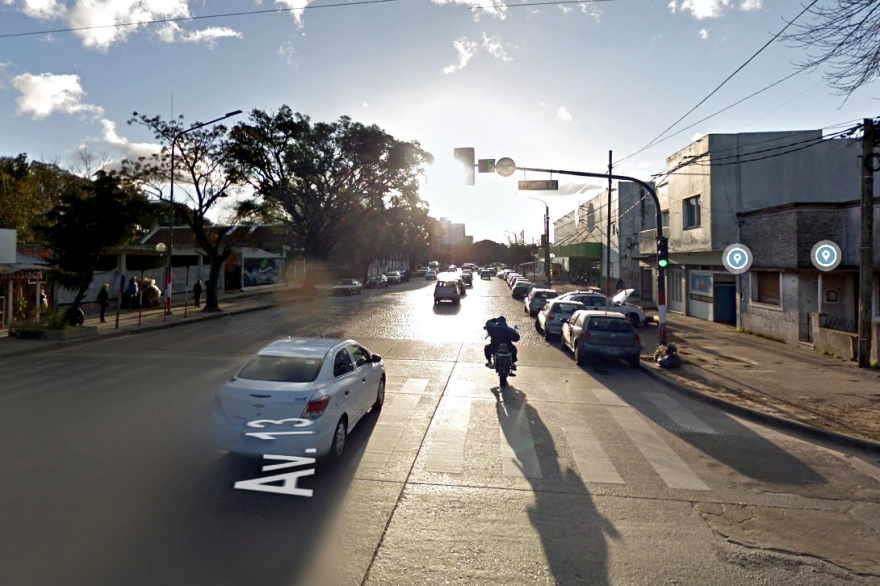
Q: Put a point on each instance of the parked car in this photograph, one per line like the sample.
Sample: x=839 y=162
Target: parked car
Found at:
x=431 y=276
x=601 y=334
x=594 y=300
x=393 y=277
x=327 y=382
x=517 y=280
x=485 y=275
x=348 y=287
x=447 y=290
x=377 y=282
x=423 y=271
x=536 y=300
x=554 y=314
x=520 y=289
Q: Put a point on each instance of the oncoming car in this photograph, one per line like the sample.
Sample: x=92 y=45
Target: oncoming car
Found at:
x=319 y=385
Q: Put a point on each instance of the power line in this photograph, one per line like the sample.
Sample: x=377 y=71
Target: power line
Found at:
x=258 y=12
x=728 y=78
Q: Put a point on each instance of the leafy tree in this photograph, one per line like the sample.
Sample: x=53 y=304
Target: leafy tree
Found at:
x=845 y=35
x=201 y=186
x=90 y=218
x=322 y=181
x=27 y=191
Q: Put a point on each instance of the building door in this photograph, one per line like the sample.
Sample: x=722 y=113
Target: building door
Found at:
x=673 y=284
x=724 y=306
x=647 y=285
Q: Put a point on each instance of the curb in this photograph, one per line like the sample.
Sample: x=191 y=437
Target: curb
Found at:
x=49 y=346
x=774 y=420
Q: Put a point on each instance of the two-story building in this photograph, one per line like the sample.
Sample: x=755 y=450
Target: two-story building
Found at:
x=779 y=193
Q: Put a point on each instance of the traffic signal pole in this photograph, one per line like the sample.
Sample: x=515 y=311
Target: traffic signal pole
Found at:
x=661 y=271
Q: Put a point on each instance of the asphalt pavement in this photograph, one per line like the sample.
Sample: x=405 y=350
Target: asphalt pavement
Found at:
x=574 y=476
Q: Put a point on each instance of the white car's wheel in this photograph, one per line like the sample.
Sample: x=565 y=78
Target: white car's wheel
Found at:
x=339 y=437
x=380 y=395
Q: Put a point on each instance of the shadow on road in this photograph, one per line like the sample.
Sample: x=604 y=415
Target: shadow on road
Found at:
x=447 y=308
x=215 y=535
x=573 y=533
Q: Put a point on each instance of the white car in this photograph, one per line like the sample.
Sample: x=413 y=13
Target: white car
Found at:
x=298 y=397
x=597 y=302
x=431 y=276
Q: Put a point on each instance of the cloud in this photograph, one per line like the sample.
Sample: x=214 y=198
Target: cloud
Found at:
x=496 y=8
x=643 y=165
x=171 y=33
x=288 y=52
x=365 y=105
x=697 y=136
x=565 y=9
x=563 y=114
x=298 y=7
x=47 y=93
x=495 y=47
x=673 y=7
x=131 y=151
x=591 y=10
x=542 y=104
x=750 y=5
x=701 y=9
x=45 y=9
x=704 y=34
x=466 y=50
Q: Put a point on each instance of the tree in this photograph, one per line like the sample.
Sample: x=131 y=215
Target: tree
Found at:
x=324 y=181
x=201 y=186
x=846 y=36
x=27 y=191
x=90 y=218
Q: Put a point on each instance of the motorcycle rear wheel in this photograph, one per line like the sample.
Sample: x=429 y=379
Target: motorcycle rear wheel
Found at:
x=502 y=380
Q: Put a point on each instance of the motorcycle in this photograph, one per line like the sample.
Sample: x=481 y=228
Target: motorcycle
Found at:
x=503 y=361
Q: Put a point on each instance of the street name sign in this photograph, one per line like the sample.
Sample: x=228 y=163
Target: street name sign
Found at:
x=542 y=185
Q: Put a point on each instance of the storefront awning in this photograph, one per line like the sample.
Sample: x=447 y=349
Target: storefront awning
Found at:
x=584 y=249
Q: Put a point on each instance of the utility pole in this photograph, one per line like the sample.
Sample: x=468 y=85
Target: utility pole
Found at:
x=608 y=235
x=866 y=259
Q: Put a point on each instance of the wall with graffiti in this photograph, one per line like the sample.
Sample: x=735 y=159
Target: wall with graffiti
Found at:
x=263 y=271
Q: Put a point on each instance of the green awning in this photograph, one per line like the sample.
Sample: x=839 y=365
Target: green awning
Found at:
x=585 y=249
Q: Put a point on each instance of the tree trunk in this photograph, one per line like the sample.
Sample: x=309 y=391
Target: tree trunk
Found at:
x=212 y=303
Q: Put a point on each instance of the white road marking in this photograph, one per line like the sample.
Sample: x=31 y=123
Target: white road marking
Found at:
x=591 y=460
x=388 y=431
x=671 y=468
x=29 y=383
x=447 y=449
x=686 y=421
x=609 y=398
x=414 y=385
x=518 y=456
x=462 y=388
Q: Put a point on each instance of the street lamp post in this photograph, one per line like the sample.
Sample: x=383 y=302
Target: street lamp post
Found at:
x=171 y=218
x=546 y=240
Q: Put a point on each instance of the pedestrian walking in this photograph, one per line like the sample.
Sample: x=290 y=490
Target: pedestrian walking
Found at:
x=197 y=292
x=44 y=301
x=132 y=292
x=620 y=285
x=104 y=300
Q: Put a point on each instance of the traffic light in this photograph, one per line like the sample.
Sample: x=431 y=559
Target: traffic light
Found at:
x=662 y=253
x=466 y=156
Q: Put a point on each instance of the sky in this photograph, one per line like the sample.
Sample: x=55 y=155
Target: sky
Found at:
x=549 y=85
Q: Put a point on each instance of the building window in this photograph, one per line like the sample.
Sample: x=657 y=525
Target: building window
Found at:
x=692 y=212
x=832 y=296
x=665 y=218
x=766 y=288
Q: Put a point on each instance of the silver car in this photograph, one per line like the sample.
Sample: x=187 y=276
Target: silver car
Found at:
x=537 y=299
x=298 y=397
x=554 y=314
x=601 y=334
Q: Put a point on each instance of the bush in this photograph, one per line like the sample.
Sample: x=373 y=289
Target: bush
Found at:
x=49 y=320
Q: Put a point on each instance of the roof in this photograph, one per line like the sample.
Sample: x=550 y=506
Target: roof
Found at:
x=600 y=313
x=23 y=262
x=303 y=347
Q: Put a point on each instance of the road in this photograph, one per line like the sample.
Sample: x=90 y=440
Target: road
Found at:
x=570 y=476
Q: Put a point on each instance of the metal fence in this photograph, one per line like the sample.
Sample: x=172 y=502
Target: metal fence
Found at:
x=832 y=322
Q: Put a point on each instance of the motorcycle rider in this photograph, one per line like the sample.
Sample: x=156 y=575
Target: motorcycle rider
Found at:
x=500 y=333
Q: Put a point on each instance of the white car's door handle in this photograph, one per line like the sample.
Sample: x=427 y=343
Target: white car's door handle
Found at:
x=346 y=392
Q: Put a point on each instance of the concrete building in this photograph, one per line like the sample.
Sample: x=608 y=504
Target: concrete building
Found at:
x=580 y=238
x=779 y=193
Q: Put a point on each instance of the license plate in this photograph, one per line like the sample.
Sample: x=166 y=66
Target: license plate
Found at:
x=614 y=351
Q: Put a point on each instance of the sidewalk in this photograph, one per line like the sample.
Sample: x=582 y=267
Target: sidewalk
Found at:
x=772 y=378
x=130 y=322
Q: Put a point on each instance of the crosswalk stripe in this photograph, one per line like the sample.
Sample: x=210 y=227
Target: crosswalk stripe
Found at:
x=609 y=398
x=29 y=384
x=388 y=431
x=447 y=449
x=685 y=420
x=414 y=385
x=671 y=468
x=462 y=388
x=518 y=456
x=591 y=460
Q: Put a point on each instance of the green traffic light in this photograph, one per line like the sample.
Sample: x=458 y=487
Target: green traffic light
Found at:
x=663 y=263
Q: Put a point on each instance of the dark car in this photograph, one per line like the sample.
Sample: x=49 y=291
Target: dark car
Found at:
x=520 y=290
x=601 y=334
x=467 y=278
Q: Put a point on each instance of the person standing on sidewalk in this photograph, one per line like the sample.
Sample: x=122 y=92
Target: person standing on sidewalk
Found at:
x=104 y=300
x=197 y=292
x=133 y=292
